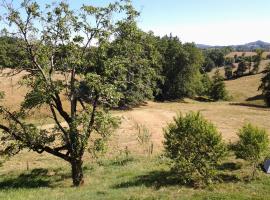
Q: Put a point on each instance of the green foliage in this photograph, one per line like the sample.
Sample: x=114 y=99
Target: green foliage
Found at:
x=242 y=68
x=181 y=66
x=76 y=81
x=11 y=53
x=208 y=65
x=252 y=146
x=206 y=85
x=229 y=72
x=229 y=61
x=195 y=147
x=218 y=90
x=138 y=51
x=265 y=86
x=257 y=61
x=216 y=55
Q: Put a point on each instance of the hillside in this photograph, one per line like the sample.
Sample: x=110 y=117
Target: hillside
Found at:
x=126 y=171
x=244 y=90
x=251 y=46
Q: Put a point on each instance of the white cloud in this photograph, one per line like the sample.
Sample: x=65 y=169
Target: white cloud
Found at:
x=235 y=32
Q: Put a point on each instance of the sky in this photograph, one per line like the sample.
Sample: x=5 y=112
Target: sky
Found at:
x=212 y=22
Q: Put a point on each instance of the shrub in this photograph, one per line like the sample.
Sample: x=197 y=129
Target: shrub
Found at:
x=252 y=145
x=195 y=148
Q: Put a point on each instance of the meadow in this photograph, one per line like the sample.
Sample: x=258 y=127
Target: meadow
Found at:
x=127 y=170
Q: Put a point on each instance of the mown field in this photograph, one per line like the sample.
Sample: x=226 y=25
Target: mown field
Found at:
x=127 y=171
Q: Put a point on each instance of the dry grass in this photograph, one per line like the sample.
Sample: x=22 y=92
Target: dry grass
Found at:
x=137 y=179
x=155 y=116
x=231 y=55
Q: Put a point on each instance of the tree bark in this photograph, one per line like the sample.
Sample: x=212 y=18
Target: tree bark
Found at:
x=77 y=172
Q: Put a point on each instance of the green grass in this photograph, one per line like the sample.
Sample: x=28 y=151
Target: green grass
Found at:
x=129 y=178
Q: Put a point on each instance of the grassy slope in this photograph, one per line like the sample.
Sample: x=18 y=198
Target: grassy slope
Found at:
x=244 y=90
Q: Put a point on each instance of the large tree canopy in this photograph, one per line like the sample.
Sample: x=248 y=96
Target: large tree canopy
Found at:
x=181 y=64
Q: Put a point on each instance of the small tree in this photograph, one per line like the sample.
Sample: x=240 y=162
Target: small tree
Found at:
x=252 y=145
x=218 y=90
x=265 y=86
x=242 y=68
x=229 y=72
x=257 y=60
x=206 y=85
x=195 y=147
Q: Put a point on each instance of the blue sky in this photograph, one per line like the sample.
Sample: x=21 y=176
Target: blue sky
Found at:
x=216 y=22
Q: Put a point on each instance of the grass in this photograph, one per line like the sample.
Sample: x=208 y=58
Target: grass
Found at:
x=129 y=178
x=140 y=177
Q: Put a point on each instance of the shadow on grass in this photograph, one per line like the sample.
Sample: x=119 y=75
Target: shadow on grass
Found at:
x=203 y=99
x=230 y=166
x=154 y=179
x=250 y=105
x=121 y=161
x=34 y=179
x=158 y=179
x=255 y=98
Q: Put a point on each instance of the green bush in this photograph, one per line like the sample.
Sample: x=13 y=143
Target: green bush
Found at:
x=252 y=145
x=218 y=90
x=195 y=148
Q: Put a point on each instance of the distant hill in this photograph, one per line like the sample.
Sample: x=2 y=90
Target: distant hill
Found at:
x=243 y=47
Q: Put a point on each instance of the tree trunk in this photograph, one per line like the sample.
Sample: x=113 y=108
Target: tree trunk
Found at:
x=77 y=172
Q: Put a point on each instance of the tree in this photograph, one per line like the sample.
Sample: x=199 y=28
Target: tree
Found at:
x=181 y=66
x=242 y=68
x=257 y=60
x=216 y=55
x=57 y=41
x=229 y=61
x=208 y=65
x=265 y=86
x=139 y=52
x=11 y=53
x=195 y=147
x=229 y=72
x=252 y=146
x=249 y=64
x=206 y=85
x=218 y=90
